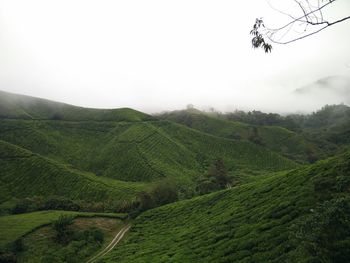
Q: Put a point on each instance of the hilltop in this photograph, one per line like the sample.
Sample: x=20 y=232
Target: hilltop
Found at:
x=15 y=106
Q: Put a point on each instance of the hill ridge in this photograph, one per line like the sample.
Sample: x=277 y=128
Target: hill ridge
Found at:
x=16 y=106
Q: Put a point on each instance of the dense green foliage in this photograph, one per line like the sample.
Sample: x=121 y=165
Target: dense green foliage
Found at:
x=60 y=225
x=328 y=117
x=85 y=237
x=24 y=174
x=112 y=161
x=13 y=227
x=216 y=178
x=331 y=124
x=288 y=142
x=55 y=156
x=255 y=222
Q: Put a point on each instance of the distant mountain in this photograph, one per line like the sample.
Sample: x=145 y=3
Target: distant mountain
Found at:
x=14 y=106
x=331 y=90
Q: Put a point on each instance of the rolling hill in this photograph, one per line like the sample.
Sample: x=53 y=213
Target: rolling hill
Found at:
x=291 y=144
x=104 y=159
x=282 y=209
x=296 y=216
x=14 y=106
x=26 y=174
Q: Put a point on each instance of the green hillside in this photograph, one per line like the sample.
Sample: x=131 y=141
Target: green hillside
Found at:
x=111 y=161
x=143 y=151
x=289 y=143
x=25 y=174
x=296 y=216
x=14 y=106
x=58 y=156
x=331 y=123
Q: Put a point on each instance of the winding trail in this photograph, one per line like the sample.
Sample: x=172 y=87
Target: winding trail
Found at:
x=111 y=245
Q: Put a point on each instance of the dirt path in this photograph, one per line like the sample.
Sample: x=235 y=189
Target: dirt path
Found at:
x=111 y=245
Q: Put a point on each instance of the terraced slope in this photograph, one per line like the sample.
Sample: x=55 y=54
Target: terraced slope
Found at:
x=102 y=155
x=295 y=216
x=143 y=151
x=238 y=155
x=15 y=106
x=281 y=140
x=25 y=174
x=113 y=161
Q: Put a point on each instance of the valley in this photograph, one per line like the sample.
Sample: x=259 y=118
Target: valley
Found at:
x=181 y=186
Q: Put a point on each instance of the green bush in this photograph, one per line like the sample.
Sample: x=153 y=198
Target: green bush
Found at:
x=60 y=203
x=216 y=178
x=164 y=193
x=63 y=234
x=7 y=257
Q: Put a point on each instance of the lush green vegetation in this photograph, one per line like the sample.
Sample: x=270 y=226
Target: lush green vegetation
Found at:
x=58 y=236
x=87 y=237
x=55 y=156
x=25 y=174
x=111 y=162
x=263 y=221
x=12 y=227
x=291 y=143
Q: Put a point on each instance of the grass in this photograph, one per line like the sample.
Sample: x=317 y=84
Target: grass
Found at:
x=255 y=222
x=13 y=227
x=40 y=245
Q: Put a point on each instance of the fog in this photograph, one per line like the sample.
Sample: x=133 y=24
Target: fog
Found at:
x=162 y=55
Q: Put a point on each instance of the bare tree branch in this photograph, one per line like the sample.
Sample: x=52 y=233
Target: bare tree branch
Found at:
x=312 y=15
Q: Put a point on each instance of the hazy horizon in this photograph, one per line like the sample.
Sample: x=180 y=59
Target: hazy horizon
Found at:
x=162 y=55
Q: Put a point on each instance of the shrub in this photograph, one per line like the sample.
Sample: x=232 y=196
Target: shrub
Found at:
x=164 y=193
x=145 y=201
x=22 y=206
x=7 y=257
x=94 y=234
x=59 y=203
x=17 y=246
x=61 y=227
x=216 y=178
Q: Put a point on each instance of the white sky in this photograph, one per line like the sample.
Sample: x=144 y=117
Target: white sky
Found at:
x=161 y=55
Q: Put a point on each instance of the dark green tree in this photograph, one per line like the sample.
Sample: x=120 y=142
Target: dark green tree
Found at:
x=215 y=179
x=145 y=201
x=164 y=193
x=219 y=172
x=61 y=227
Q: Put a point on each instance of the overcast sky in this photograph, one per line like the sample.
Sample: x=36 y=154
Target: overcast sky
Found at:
x=162 y=55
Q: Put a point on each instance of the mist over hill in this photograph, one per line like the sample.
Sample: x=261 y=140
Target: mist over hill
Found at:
x=328 y=90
